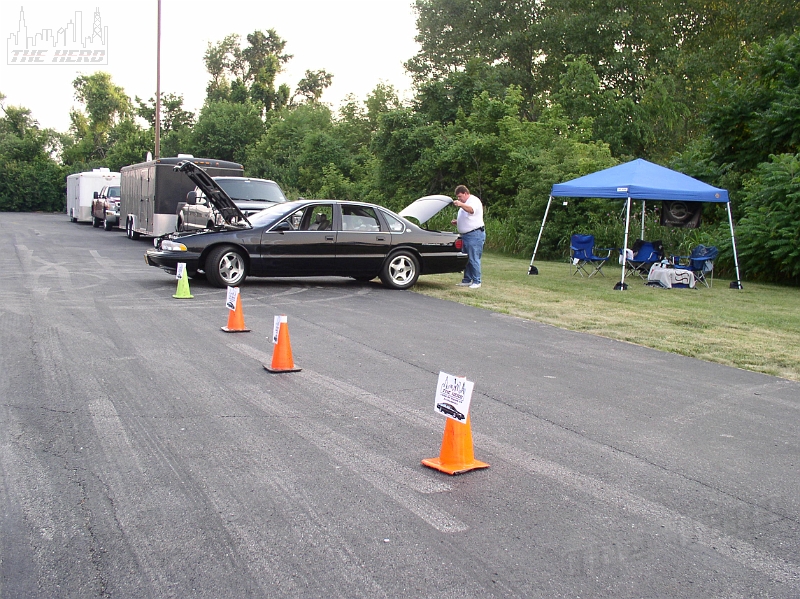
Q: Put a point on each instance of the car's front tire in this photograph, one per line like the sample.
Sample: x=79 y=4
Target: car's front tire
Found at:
x=400 y=270
x=225 y=267
x=107 y=225
x=95 y=222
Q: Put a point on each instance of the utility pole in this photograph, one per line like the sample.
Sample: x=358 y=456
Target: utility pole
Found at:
x=158 y=85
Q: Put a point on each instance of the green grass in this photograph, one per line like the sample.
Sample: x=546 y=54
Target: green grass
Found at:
x=756 y=328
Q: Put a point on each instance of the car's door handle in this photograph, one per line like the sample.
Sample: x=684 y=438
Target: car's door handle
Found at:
x=380 y=239
x=329 y=238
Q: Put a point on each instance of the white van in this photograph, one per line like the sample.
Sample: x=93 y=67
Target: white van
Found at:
x=81 y=188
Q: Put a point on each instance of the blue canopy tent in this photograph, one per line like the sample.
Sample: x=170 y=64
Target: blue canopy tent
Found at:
x=639 y=180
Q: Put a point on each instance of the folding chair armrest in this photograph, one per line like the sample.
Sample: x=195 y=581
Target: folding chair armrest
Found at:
x=676 y=260
x=608 y=250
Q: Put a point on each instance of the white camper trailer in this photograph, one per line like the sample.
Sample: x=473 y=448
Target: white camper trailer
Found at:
x=81 y=188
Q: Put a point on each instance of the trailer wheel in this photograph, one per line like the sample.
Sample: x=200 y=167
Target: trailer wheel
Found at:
x=225 y=267
x=129 y=230
x=132 y=234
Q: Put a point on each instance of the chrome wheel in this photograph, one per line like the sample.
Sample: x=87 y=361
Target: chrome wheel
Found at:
x=226 y=267
x=400 y=271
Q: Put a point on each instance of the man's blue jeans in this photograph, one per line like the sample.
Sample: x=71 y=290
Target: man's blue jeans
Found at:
x=473 y=248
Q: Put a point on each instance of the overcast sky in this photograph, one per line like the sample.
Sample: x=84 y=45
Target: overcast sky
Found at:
x=360 y=42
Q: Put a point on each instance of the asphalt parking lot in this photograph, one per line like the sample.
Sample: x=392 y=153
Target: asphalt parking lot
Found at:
x=146 y=453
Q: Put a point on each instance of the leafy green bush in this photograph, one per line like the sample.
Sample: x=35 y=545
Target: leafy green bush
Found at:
x=769 y=232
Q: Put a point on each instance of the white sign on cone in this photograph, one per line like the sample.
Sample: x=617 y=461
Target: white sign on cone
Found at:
x=453 y=396
x=230 y=300
x=276 y=327
x=180 y=270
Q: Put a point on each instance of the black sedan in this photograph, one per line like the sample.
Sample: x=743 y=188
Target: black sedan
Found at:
x=450 y=410
x=308 y=238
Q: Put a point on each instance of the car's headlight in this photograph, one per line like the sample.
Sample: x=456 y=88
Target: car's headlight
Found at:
x=172 y=246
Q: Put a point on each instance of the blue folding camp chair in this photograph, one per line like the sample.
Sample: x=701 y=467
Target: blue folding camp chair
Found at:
x=583 y=259
x=700 y=262
x=645 y=254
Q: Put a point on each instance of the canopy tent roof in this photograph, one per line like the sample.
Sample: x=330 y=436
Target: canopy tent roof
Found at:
x=640 y=180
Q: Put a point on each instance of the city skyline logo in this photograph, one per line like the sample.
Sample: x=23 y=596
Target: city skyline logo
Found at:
x=67 y=45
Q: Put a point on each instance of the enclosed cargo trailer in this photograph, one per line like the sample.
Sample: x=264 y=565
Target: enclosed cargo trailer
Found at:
x=150 y=192
x=81 y=188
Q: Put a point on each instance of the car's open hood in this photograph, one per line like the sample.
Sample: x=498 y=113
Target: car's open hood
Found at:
x=214 y=193
x=426 y=208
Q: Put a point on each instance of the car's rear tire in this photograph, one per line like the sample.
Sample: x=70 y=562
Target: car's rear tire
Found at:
x=225 y=267
x=400 y=270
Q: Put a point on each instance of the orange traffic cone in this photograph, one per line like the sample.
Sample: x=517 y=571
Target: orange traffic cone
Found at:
x=282 y=360
x=456 y=455
x=236 y=319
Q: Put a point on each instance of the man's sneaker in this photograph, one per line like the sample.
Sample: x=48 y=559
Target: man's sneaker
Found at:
x=464 y=284
x=475 y=286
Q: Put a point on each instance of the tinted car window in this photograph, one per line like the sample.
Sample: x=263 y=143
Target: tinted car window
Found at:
x=359 y=218
x=113 y=192
x=395 y=224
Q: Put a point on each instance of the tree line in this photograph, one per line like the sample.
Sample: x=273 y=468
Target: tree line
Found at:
x=510 y=97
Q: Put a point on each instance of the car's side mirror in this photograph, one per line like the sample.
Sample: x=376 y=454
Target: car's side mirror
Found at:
x=282 y=226
x=96 y=195
x=191 y=198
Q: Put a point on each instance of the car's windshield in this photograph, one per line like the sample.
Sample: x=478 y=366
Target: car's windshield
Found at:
x=113 y=192
x=252 y=189
x=274 y=213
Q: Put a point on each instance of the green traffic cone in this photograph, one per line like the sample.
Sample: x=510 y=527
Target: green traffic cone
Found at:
x=183 y=287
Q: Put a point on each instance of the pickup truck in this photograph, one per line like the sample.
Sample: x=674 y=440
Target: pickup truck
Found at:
x=105 y=207
x=250 y=194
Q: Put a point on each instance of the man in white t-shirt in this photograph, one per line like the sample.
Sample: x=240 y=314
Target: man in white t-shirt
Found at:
x=473 y=233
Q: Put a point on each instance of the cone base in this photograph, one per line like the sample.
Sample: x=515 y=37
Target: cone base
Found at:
x=451 y=469
x=227 y=330
x=183 y=296
x=279 y=370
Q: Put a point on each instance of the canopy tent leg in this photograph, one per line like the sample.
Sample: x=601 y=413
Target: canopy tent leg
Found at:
x=644 y=202
x=737 y=284
x=532 y=270
x=621 y=286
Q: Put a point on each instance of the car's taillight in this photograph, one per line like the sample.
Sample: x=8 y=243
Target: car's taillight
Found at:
x=459 y=244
